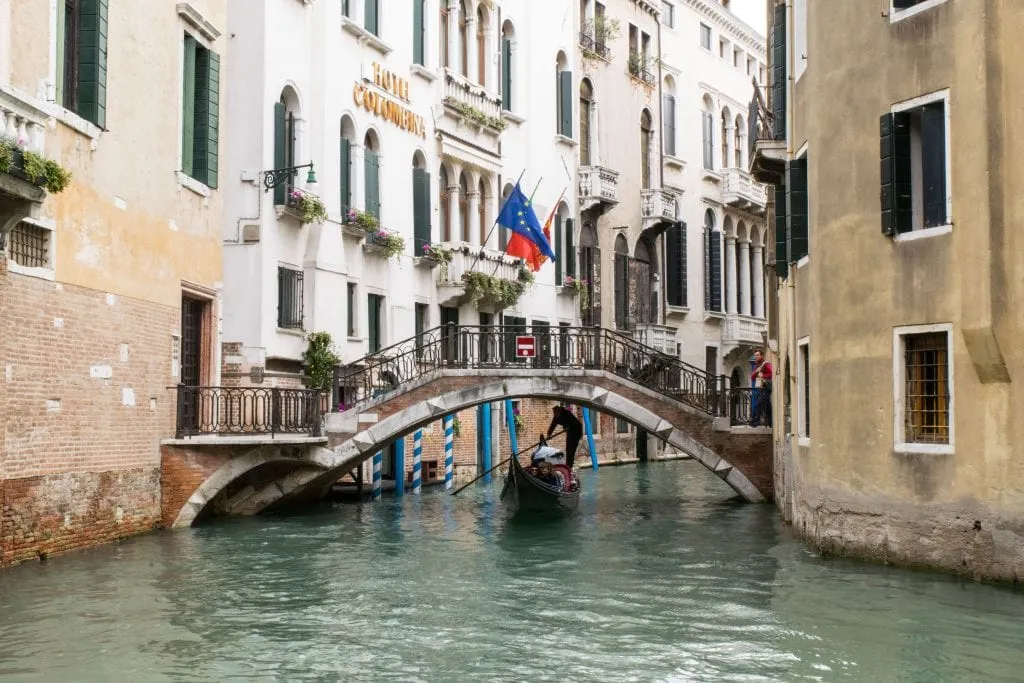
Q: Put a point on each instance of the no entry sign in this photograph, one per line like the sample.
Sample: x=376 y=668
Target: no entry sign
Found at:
x=526 y=347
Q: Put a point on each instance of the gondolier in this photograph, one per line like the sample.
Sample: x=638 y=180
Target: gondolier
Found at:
x=573 y=431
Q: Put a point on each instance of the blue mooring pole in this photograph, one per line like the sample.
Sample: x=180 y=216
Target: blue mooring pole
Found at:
x=400 y=466
x=590 y=438
x=485 y=443
x=510 y=420
x=417 y=461
x=378 y=460
x=449 y=454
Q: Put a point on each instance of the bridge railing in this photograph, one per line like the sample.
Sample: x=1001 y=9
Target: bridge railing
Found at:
x=494 y=347
x=219 y=411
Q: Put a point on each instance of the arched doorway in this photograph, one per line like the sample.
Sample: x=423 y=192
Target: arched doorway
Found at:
x=590 y=270
x=621 y=283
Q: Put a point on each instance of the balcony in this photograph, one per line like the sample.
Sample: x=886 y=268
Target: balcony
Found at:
x=740 y=190
x=471 y=104
x=767 y=147
x=598 y=186
x=466 y=258
x=22 y=131
x=660 y=337
x=657 y=205
x=743 y=330
x=248 y=411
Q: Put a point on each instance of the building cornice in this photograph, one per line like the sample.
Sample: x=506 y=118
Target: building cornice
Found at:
x=732 y=25
x=649 y=7
x=191 y=15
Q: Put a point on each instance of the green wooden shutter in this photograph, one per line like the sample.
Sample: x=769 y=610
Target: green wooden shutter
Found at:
x=280 y=147
x=565 y=103
x=92 y=62
x=344 y=7
x=506 y=74
x=370 y=18
x=371 y=168
x=207 y=117
x=346 y=177
x=188 y=107
x=796 y=202
x=675 y=258
x=418 y=37
x=707 y=268
x=896 y=203
x=716 y=271
x=933 y=163
x=559 y=252
x=778 y=59
x=570 y=247
x=421 y=210
x=781 y=241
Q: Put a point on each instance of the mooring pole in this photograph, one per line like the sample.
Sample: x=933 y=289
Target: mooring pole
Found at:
x=590 y=438
x=378 y=460
x=417 y=461
x=400 y=466
x=510 y=420
x=449 y=455
x=485 y=440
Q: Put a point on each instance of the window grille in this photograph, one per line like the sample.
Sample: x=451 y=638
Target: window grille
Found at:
x=29 y=246
x=289 y=298
x=926 y=398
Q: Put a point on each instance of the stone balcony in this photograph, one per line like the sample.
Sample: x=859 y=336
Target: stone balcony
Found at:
x=471 y=104
x=451 y=288
x=743 y=330
x=598 y=186
x=740 y=190
x=657 y=205
x=23 y=126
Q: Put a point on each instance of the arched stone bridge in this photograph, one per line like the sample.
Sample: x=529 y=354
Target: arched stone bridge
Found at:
x=446 y=370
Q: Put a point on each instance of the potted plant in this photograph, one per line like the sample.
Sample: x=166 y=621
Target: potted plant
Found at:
x=309 y=207
x=439 y=255
x=390 y=244
x=578 y=287
x=319 y=360
x=363 y=219
x=34 y=168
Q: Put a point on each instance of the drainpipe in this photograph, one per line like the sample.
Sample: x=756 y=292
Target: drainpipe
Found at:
x=662 y=299
x=790 y=281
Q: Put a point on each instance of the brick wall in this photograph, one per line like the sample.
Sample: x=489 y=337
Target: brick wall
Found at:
x=84 y=414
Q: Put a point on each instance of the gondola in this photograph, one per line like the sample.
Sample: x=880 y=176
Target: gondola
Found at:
x=524 y=492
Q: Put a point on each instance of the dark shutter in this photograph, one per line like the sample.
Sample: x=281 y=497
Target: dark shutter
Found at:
x=346 y=177
x=373 y=322
x=565 y=103
x=896 y=203
x=289 y=298
x=280 y=147
x=778 y=59
x=781 y=241
x=207 y=117
x=91 y=90
x=559 y=252
x=344 y=7
x=418 y=51
x=933 y=163
x=370 y=17
x=506 y=74
x=675 y=265
x=796 y=202
x=670 y=125
x=421 y=209
x=707 y=268
x=570 y=248
x=716 y=271
x=188 y=107
x=372 y=167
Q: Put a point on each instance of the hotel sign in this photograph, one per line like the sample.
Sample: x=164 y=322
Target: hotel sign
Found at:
x=377 y=99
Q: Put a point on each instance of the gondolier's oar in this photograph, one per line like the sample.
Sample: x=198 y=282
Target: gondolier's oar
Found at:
x=525 y=450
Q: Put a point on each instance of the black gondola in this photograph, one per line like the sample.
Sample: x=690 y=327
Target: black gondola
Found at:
x=523 y=491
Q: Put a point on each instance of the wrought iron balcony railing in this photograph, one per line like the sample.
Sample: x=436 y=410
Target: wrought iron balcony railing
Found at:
x=248 y=411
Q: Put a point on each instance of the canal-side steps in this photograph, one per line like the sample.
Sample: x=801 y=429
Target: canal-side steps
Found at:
x=244 y=450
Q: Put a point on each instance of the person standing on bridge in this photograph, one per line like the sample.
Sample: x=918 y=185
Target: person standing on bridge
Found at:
x=761 y=381
x=573 y=431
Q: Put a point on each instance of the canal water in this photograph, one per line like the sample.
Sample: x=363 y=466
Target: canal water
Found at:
x=660 y=577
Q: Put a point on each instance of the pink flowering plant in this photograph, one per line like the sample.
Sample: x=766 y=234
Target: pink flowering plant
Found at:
x=364 y=219
x=440 y=254
x=578 y=286
x=310 y=207
x=392 y=243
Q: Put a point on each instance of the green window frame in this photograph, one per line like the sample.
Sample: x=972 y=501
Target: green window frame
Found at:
x=200 y=113
x=81 y=84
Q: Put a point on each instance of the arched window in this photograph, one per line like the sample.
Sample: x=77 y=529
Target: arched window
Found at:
x=712 y=263
x=508 y=34
x=481 y=46
x=445 y=37
x=708 y=132
x=348 y=136
x=590 y=271
x=644 y=298
x=586 y=104
x=668 y=116
x=563 y=95
x=371 y=164
x=463 y=207
x=482 y=210
x=285 y=142
x=420 y=203
x=444 y=205
x=646 y=137
x=463 y=40
x=738 y=141
x=621 y=283
x=726 y=118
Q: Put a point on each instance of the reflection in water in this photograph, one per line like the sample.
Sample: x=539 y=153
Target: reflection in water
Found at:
x=661 y=575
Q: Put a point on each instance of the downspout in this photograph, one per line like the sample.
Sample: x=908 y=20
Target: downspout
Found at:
x=790 y=281
x=662 y=295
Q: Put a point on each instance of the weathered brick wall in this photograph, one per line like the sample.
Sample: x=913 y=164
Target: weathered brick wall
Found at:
x=85 y=404
x=182 y=470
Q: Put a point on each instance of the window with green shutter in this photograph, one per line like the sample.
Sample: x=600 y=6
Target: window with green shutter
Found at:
x=200 y=112
x=419 y=34
x=570 y=248
x=796 y=202
x=675 y=265
x=82 y=58
x=559 y=252
x=372 y=174
x=280 y=146
x=506 y=74
x=346 y=176
x=914 y=175
x=371 y=17
x=565 y=103
x=778 y=62
x=421 y=209
x=781 y=236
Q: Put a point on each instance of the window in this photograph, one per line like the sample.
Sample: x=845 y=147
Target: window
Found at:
x=463 y=40
x=621 y=278
x=646 y=139
x=30 y=245
x=565 y=99
x=915 y=172
x=559 y=250
x=289 y=298
x=345 y=8
x=345 y=169
x=586 y=104
x=803 y=384
x=371 y=17
x=705 y=36
x=737 y=57
x=668 y=114
x=481 y=208
x=284 y=144
x=445 y=38
x=82 y=58
x=668 y=17
x=419 y=33
x=723 y=47
x=564 y=330
x=708 y=133
x=725 y=138
x=371 y=171
x=421 y=209
x=444 y=202
x=375 y=321
x=795 y=210
x=923 y=368
x=351 y=313
x=200 y=113
x=778 y=49
x=738 y=130
x=712 y=263
x=506 y=70
x=463 y=207
x=621 y=426
x=901 y=9
x=481 y=47
x=422 y=314
x=675 y=265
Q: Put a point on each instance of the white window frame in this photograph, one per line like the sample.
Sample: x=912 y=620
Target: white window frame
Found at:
x=700 y=37
x=191 y=22
x=900 y=445
x=917 y=103
x=671 y=24
x=43 y=273
x=803 y=349
x=901 y=14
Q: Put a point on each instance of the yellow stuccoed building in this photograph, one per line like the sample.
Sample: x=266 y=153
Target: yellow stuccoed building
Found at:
x=109 y=283
x=888 y=130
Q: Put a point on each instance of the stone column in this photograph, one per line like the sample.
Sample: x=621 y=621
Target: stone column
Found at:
x=490 y=73
x=730 y=271
x=473 y=224
x=729 y=161
x=744 y=277
x=471 y=65
x=455 y=213
x=595 y=146
x=358 y=177
x=454 y=39
x=758 y=278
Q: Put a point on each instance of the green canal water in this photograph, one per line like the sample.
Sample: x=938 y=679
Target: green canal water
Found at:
x=660 y=577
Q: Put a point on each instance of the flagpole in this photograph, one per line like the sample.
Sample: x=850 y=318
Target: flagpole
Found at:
x=529 y=202
x=487 y=238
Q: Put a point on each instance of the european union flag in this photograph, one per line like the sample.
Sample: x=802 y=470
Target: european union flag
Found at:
x=518 y=216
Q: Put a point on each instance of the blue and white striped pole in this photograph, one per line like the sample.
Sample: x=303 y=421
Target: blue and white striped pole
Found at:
x=378 y=461
x=510 y=420
x=484 y=428
x=417 y=458
x=590 y=438
x=400 y=467
x=449 y=453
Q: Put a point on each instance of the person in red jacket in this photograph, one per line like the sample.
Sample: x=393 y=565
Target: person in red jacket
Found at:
x=761 y=381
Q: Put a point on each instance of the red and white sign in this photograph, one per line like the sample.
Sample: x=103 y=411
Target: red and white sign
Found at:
x=526 y=347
